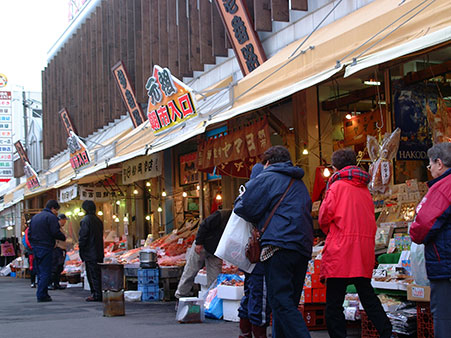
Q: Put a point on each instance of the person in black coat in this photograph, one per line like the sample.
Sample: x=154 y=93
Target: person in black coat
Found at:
x=90 y=242
x=44 y=229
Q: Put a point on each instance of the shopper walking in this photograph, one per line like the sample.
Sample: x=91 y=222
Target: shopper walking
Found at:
x=432 y=227
x=59 y=256
x=254 y=311
x=90 y=242
x=29 y=254
x=201 y=253
x=44 y=229
x=347 y=218
x=287 y=241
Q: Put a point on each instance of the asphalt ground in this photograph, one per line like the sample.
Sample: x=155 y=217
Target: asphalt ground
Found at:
x=69 y=315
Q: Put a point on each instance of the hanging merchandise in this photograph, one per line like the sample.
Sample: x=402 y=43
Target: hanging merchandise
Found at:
x=439 y=122
x=381 y=155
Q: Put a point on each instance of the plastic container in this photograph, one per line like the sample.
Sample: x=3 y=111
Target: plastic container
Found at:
x=112 y=277
x=148 y=276
x=150 y=293
x=190 y=310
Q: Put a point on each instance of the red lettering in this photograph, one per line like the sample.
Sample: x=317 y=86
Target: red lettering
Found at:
x=174 y=111
x=186 y=104
x=153 y=119
x=164 y=116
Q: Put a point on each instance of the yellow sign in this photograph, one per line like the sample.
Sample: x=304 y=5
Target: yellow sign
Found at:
x=3 y=80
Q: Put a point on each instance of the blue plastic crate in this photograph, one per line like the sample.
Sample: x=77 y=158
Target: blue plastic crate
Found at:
x=148 y=276
x=149 y=293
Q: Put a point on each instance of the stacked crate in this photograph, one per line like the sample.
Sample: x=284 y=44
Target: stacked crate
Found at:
x=148 y=284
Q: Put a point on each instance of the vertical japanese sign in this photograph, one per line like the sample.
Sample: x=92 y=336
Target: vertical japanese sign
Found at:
x=128 y=94
x=170 y=100
x=32 y=177
x=79 y=155
x=6 y=140
x=241 y=32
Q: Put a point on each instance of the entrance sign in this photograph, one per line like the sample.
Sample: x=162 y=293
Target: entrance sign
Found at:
x=170 y=100
x=245 y=41
x=128 y=93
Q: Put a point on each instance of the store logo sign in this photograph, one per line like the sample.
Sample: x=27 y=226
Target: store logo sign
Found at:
x=3 y=80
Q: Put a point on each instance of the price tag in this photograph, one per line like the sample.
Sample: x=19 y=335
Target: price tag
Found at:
x=379 y=273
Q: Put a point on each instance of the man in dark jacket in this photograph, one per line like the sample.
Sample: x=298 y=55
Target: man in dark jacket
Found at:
x=202 y=252
x=288 y=239
x=432 y=227
x=90 y=242
x=44 y=229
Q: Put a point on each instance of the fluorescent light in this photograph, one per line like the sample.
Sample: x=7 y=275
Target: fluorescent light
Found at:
x=372 y=83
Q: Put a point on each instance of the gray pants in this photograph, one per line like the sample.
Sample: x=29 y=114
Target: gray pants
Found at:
x=194 y=263
x=440 y=307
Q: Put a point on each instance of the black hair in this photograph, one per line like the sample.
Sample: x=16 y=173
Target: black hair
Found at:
x=343 y=158
x=276 y=154
x=52 y=204
x=89 y=207
x=62 y=216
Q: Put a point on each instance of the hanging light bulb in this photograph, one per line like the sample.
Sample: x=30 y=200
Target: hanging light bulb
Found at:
x=148 y=217
x=184 y=194
x=69 y=213
x=348 y=116
x=305 y=151
x=148 y=184
x=326 y=172
x=100 y=213
x=114 y=216
x=135 y=192
x=160 y=209
x=76 y=211
x=118 y=202
x=218 y=196
x=125 y=219
x=116 y=220
x=198 y=187
x=163 y=193
x=81 y=214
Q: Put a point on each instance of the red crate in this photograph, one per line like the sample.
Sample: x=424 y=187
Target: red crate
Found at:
x=425 y=323
x=315 y=316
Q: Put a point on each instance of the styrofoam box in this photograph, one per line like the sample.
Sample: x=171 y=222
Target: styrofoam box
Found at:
x=230 y=292
x=230 y=310
x=201 y=278
x=132 y=296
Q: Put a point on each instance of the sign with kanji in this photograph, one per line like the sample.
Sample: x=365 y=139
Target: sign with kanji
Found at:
x=240 y=29
x=68 y=194
x=79 y=155
x=97 y=194
x=21 y=151
x=142 y=168
x=128 y=94
x=7 y=249
x=5 y=99
x=359 y=126
x=33 y=181
x=170 y=100
x=6 y=140
x=188 y=169
x=234 y=154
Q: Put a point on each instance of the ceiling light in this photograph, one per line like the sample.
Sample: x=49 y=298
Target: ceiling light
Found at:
x=163 y=193
x=160 y=209
x=184 y=194
x=148 y=217
x=69 y=213
x=136 y=192
x=148 y=184
x=305 y=151
x=198 y=187
x=118 y=202
x=100 y=213
x=81 y=214
x=116 y=220
x=326 y=172
x=218 y=197
x=76 y=210
x=348 y=116
x=125 y=219
x=372 y=83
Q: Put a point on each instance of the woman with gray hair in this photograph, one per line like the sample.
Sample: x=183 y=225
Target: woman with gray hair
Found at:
x=432 y=227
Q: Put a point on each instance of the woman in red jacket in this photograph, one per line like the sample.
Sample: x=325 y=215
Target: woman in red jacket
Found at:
x=347 y=218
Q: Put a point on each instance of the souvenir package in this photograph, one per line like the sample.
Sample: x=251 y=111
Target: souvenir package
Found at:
x=381 y=170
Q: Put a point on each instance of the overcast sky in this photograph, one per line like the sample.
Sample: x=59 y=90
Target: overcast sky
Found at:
x=29 y=28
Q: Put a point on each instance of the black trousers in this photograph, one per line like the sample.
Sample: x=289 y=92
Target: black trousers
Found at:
x=59 y=256
x=335 y=295
x=94 y=279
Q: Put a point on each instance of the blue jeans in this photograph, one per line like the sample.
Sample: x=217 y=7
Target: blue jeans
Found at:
x=43 y=262
x=285 y=274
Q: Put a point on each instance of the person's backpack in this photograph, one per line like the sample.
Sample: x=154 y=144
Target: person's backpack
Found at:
x=25 y=241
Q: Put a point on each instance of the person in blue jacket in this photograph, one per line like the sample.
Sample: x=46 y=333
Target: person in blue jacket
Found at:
x=44 y=230
x=288 y=240
x=254 y=311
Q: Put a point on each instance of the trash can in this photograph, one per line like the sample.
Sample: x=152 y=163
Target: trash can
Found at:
x=113 y=289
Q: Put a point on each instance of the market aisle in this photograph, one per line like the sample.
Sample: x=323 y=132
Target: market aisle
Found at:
x=70 y=316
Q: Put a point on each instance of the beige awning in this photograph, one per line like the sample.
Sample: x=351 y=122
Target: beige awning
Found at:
x=383 y=26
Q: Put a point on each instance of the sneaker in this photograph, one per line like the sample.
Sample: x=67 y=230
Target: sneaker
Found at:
x=46 y=299
x=33 y=285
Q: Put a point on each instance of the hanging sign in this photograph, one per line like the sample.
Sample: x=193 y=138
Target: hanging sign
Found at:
x=235 y=153
x=142 y=168
x=97 y=194
x=188 y=169
x=359 y=126
x=79 y=155
x=128 y=94
x=170 y=100
x=240 y=29
x=32 y=177
x=67 y=194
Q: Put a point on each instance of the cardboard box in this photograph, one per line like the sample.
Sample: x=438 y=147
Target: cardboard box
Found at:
x=418 y=293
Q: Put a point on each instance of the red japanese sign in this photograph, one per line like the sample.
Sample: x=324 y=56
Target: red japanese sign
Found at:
x=235 y=153
x=241 y=32
x=67 y=122
x=32 y=177
x=128 y=94
x=170 y=100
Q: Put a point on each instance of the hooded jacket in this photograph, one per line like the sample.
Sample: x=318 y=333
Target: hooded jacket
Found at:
x=347 y=218
x=44 y=229
x=211 y=229
x=90 y=238
x=291 y=226
x=432 y=227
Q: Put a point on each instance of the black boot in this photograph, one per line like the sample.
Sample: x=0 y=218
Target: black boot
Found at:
x=245 y=328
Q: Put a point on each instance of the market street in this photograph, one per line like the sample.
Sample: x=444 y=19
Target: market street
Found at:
x=69 y=315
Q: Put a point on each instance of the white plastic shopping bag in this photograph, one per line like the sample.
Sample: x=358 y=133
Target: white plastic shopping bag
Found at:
x=232 y=245
x=418 y=264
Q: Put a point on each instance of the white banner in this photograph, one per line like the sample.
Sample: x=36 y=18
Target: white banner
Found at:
x=142 y=168
x=68 y=194
x=97 y=194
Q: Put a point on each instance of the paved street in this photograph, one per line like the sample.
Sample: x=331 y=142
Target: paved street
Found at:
x=70 y=316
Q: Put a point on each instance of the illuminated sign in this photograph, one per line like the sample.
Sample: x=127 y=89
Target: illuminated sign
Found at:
x=128 y=94
x=170 y=100
x=241 y=32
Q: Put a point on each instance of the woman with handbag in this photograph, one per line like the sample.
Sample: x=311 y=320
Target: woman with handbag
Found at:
x=278 y=203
